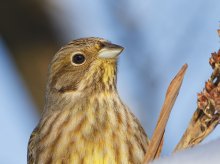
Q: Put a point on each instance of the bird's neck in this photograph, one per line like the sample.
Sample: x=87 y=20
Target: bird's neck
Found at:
x=99 y=110
x=89 y=98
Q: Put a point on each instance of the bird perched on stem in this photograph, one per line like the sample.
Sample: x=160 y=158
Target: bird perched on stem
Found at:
x=84 y=120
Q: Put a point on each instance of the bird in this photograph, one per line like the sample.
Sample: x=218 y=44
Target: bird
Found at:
x=84 y=119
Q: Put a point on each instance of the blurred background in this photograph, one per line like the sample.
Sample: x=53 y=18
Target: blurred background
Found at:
x=158 y=36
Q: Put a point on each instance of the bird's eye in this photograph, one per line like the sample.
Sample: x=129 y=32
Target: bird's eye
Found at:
x=78 y=59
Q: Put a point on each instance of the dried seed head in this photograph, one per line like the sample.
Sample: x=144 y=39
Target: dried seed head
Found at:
x=202 y=101
x=209 y=85
x=215 y=59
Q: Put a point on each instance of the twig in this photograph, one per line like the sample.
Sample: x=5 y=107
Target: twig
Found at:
x=171 y=95
x=207 y=114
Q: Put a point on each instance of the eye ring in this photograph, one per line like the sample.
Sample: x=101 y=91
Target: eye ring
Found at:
x=78 y=58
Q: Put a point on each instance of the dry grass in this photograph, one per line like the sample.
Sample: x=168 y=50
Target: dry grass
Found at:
x=205 y=118
x=207 y=115
x=156 y=142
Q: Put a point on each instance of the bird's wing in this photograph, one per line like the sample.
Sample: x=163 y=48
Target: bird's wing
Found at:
x=31 y=144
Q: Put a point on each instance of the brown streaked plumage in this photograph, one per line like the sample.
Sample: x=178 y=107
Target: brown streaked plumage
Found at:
x=84 y=120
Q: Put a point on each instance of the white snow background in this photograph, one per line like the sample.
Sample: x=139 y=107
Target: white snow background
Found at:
x=208 y=153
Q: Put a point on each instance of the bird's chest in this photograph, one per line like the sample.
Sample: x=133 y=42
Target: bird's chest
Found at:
x=95 y=136
x=86 y=143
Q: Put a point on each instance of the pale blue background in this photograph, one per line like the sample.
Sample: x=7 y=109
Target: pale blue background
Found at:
x=158 y=36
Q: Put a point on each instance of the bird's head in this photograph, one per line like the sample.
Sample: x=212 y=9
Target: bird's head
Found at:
x=87 y=64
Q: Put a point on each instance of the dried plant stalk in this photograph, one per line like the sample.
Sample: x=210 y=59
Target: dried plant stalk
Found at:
x=159 y=149
x=207 y=114
x=156 y=142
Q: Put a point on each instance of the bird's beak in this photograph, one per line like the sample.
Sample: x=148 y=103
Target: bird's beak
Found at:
x=110 y=51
